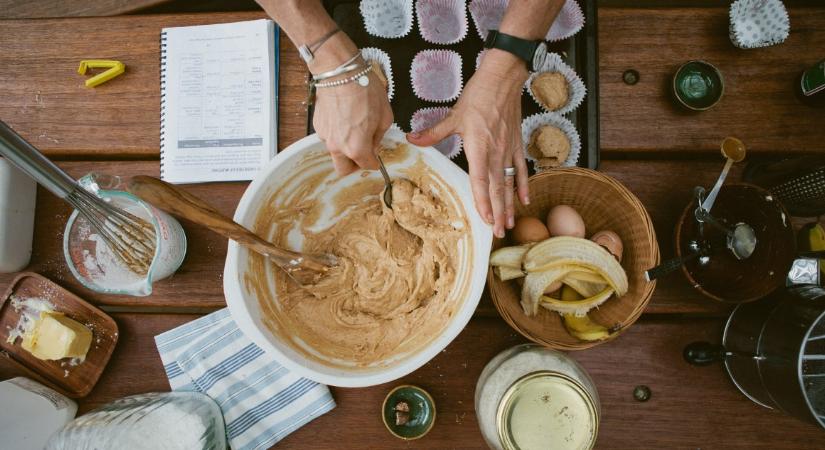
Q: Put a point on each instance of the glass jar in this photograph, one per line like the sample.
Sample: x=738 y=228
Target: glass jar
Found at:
x=532 y=397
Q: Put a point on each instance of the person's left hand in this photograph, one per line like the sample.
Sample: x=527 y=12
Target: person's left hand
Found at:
x=488 y=118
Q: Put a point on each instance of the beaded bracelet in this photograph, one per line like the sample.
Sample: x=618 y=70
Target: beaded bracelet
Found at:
x=360 y=77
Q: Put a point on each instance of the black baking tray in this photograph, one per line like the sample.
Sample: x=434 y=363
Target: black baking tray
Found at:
x=580 y=52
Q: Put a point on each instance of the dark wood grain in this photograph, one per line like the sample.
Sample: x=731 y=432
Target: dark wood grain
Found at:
x=44 y=98
x=690 y=407
x=758 y=106
x=32 y=9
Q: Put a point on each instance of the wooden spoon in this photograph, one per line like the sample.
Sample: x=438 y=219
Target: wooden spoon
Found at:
x=303 y=268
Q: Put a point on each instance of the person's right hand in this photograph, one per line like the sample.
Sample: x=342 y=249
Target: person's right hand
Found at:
x=351 y=120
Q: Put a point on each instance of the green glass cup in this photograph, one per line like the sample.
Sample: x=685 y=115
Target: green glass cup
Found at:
x=698 y=85
x=420 y=411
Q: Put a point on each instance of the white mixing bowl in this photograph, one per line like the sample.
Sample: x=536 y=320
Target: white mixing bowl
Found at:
x=244 y=305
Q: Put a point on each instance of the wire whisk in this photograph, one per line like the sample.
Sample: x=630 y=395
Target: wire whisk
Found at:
x=130 y=238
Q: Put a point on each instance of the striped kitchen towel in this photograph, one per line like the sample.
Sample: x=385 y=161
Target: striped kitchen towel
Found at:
x=262 y=402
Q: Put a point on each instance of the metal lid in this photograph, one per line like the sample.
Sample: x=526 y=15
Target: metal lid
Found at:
x=547 y=409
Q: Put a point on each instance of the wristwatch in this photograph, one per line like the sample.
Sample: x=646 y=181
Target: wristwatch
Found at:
x=532 y=52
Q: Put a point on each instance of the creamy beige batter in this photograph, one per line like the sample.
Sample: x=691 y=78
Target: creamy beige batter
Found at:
x=394 y=289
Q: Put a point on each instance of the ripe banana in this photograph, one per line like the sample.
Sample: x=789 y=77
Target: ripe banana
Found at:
x=584 y=327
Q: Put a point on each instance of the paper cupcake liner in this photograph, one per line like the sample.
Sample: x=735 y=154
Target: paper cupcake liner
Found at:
x=576 y=87
x=487 y=15
x=442 y=22
x=436 y=75
x=427 y=117
x=381 y=57
x=758 y=23
x=480 y=57
x=532 y=123
x=389 y=19
x=569 y=21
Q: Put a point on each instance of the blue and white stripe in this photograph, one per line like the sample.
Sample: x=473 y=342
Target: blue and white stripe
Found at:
x=262 y=402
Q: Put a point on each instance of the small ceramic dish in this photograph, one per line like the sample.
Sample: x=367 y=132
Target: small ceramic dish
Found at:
x=698 y=85
x=414 y=406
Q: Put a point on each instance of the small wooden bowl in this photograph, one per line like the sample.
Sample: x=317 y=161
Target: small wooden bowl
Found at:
x=725 y=278
x=604 y=204
x=73 y=381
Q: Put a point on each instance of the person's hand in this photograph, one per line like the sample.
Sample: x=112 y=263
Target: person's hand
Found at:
x=351 y=120
x=488 y=118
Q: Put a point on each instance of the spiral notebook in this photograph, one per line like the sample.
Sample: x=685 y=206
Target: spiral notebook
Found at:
x=219 y=100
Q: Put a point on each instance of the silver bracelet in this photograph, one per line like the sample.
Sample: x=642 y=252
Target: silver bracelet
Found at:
x=347 y=66
x=360 y=77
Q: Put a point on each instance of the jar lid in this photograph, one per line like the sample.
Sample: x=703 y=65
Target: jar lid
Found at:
x=547 y=409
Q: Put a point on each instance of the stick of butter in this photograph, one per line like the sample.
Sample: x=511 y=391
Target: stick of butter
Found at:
x=55 y=336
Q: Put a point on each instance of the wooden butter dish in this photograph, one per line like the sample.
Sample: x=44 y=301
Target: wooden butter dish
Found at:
x=66 y=376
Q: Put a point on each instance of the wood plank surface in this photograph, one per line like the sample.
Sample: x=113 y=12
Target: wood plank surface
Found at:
x=32 y=9
x=664 y=187
x=758 y=105
x=690 y=407
x=44 y=98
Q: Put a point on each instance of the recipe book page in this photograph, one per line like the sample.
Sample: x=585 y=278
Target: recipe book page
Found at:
x=218 y=100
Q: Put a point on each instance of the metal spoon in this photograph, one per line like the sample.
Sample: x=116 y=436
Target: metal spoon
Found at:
x=741 y=240
x=734 y=150
x=387 y=183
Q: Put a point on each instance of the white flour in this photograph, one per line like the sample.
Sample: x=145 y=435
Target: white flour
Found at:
x=107 y=270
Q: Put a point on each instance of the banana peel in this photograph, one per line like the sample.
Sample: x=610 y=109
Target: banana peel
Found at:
x=509 y=256
x=506 y=273
x=581 y=253
x=578 y=307
x=812 y=238
x=536 y=283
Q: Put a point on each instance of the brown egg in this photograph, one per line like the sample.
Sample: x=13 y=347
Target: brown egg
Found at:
x=611 y=241
x=563 y=220
x=529 y=229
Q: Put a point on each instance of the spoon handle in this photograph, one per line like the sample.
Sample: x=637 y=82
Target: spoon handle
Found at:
x=174 y=200
x=711 y=198
x=668 y=266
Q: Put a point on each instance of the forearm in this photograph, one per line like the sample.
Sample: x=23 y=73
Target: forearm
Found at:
x=526 y=19
x=306 y=21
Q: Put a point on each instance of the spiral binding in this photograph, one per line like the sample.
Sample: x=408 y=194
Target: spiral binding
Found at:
x=162 y=101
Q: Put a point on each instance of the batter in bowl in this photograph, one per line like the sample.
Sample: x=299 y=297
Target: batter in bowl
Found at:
x=394 y=289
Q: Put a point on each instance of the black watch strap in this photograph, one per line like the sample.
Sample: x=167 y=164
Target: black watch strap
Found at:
x=522 y=48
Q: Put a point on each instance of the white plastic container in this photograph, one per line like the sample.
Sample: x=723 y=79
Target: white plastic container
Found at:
x=31 y=413
x=17 y=200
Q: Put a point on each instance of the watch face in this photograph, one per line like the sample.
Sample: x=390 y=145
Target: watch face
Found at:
x=539 y=56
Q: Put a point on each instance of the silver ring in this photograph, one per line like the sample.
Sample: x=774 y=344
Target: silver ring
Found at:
x=509 y=171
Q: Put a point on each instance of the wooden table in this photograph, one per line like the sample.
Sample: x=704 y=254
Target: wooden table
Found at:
x=656 y=150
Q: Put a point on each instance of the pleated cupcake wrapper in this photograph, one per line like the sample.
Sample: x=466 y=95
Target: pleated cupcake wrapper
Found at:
x=391 y=19
x=436 y=75
x=569 y=22
x=487 y=15
x=441 y=22
x=575 y=85
x=758 y=23
x=532 y=123
x=480 y=57
x=383 y=59
x=427 y=117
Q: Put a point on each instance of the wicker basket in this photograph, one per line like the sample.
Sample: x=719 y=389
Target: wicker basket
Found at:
x=604 y=204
